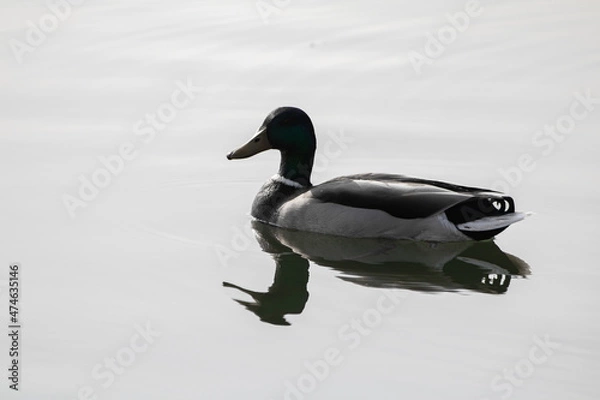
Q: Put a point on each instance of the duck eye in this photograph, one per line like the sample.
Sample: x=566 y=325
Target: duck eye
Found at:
x=256 y=140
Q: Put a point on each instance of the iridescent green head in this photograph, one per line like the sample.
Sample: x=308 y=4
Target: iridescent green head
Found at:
x=289 y=130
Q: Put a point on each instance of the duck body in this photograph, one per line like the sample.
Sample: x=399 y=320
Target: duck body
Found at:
x=383 y=206
x=366 y=205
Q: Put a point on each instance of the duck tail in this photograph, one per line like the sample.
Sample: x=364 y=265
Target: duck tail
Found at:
x=484 y=216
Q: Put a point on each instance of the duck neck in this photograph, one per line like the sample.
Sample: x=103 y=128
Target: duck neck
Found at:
x=296 y=167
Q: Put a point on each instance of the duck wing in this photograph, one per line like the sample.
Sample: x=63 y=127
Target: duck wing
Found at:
x=409 y=198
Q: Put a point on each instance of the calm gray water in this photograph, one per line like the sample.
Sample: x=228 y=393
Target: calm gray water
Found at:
x=237 y=313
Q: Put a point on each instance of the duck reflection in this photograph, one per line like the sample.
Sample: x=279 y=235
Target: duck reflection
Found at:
x=378 y=263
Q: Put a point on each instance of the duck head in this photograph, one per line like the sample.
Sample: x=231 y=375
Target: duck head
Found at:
x=289 y=130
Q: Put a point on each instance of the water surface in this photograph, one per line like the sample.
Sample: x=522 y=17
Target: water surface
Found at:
x=157 y=244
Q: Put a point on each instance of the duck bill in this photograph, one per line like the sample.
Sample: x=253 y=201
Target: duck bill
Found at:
x=259 y=143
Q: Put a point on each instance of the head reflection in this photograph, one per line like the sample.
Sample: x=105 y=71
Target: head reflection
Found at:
x=377 y=263
x=287 y=294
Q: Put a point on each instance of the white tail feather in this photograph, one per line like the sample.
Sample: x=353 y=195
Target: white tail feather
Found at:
x=490 y=223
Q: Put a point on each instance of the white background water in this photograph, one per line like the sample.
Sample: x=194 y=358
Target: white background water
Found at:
x=145 y=250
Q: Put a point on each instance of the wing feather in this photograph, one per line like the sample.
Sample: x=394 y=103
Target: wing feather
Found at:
x=399 y=196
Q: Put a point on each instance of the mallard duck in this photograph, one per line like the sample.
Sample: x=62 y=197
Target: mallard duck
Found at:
x=372 y=205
